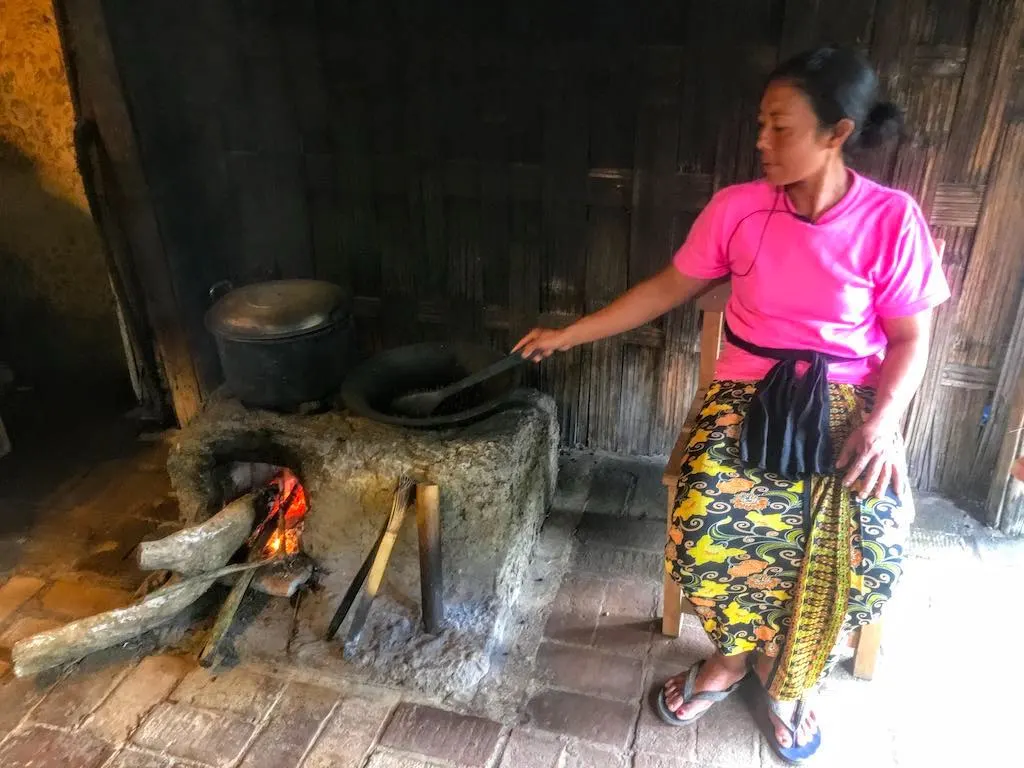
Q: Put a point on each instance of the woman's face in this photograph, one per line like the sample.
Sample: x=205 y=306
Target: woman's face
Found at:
x=793 y=146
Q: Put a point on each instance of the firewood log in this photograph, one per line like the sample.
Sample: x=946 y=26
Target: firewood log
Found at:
x=203 y=547
x=80 y=638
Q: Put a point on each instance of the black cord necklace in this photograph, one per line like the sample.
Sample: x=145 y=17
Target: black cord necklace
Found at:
x=764 y=229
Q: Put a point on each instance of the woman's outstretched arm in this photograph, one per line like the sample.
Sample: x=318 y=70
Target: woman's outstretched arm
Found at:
x=640 y=304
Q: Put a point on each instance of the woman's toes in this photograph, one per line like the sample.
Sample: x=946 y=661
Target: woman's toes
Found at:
x=807 y=730
x=783 y=737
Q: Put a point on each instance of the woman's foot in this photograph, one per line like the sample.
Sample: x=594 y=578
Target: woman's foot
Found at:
x=717 y=674
x=807 y=729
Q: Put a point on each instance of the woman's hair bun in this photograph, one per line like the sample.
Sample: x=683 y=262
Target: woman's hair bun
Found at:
x=883 y=122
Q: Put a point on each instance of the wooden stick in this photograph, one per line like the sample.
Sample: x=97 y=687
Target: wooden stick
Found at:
x=355 y=587
x=428 y=521
x=292 y=630
x=399 y=506
x=211 y=655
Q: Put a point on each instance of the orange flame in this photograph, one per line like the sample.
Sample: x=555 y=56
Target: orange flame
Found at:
x=292 y=496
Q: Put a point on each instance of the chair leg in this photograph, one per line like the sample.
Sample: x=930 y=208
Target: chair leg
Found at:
x=868 y=644
x=672 y=612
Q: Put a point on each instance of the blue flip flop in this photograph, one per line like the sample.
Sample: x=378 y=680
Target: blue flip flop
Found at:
x=689 y=695
x=795 y=754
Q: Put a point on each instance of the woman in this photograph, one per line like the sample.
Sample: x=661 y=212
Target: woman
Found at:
x=793 y=508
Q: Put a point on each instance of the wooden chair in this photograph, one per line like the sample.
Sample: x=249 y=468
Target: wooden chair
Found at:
x=865 y=641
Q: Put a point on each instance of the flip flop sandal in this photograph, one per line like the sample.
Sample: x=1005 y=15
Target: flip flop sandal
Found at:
x=795 y=754
x=671 y=718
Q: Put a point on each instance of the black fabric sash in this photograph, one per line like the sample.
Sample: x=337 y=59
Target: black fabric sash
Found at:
x=786 y=431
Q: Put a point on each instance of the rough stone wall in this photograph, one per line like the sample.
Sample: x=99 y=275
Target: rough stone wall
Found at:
x=56 y=309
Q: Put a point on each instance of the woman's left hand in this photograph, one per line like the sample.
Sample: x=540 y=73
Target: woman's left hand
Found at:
x=874 y=459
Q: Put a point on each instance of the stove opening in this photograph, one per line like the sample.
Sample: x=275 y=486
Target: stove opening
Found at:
x=279 y=534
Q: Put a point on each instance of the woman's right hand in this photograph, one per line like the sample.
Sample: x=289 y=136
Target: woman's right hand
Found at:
x=541 y=343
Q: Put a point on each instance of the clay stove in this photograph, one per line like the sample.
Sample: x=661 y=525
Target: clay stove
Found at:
x=496 y=479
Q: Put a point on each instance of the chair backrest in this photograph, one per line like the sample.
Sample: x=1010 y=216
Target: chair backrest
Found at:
x=712 y=303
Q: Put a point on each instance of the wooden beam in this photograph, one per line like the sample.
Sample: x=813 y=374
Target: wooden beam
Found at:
x=102 y=101
x=1004 y=507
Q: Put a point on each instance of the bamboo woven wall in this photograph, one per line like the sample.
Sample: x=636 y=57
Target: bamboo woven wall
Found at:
x=473 y=174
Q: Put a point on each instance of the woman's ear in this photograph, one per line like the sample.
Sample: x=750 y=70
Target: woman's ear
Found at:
x=841 y=132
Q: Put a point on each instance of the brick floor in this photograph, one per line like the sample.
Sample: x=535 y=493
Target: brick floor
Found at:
x=75 y=697
x=626 y=622
x=611 y=489
x=589 y=671
x=536 y=749
x=116 y=557
x=574 y=698
x=295 y=720
x=16 y=592
x=580 y=755
x=728 y=735
x=24 y=627
x=41 y=747
x=388 y=760
x=532 y=748
x=576 y=609
x=144 y=687
x=585 y=717
x=129 y=758
x=648 y=760
x=617 y=562
x=655 y=736
x=436 y=733
x=350 y=733
x=691 y=646
x=239 y=691
x=17 y=697
x=76 y=600
x=215 y=738
x=644 y=535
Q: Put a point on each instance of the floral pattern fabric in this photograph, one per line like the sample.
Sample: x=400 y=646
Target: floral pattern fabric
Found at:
x=738 y=535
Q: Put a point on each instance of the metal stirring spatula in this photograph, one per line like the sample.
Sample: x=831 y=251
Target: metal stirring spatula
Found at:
x=423 y=404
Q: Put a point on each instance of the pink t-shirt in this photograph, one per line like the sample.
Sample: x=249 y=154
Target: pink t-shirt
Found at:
x=822 y=286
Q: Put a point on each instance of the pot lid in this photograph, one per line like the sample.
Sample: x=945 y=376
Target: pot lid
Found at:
x=277 y=309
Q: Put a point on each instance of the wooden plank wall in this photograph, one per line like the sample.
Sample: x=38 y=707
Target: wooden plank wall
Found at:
x=472 y=173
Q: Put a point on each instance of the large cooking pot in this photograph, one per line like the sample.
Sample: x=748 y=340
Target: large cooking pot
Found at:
x=283 y=343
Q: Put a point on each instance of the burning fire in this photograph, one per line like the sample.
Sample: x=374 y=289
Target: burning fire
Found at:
x=287 y=512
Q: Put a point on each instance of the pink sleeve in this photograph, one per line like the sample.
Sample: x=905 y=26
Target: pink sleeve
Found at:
x=703 y=254
x=911 y=280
